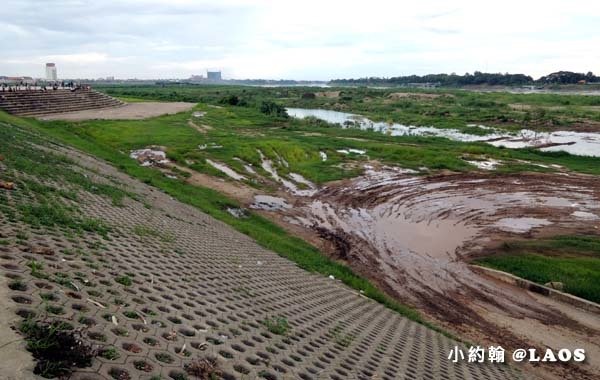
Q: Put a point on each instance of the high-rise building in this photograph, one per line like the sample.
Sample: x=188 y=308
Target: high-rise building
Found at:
x=213 y=75
x=51 y=71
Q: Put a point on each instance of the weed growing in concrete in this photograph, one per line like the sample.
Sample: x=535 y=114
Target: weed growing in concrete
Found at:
x=277 y=325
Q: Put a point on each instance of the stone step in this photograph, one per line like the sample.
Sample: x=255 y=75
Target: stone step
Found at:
x=40 y=103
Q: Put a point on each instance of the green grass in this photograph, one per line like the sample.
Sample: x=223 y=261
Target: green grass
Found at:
x=572 y=260
x=110 y=353
x=341 y=338
x=124 y=280
x=277 y=325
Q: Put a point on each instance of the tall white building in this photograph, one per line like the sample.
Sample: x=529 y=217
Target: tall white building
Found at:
x=51 y=71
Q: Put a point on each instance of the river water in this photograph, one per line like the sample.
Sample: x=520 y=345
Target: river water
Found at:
x=581 y=144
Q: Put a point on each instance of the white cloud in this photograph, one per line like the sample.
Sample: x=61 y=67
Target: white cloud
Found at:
x=310 y=39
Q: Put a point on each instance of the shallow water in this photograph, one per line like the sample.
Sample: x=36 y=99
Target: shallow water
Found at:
x=270 y=203
x=226 y=169
x=292 y=187
x=583 y=144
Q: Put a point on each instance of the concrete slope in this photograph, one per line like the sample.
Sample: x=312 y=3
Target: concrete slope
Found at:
x=196 y=287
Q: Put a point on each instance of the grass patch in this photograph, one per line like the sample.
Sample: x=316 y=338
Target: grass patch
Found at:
x=277 y=325
x=124 y=280
x=56 y=347
x=341 y=338
x=110 y=353
x=572 y=260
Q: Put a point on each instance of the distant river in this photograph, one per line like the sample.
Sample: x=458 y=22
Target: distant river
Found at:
x=583 y=144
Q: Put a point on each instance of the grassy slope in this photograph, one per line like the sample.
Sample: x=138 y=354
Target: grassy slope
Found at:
x=572 y=260
x=213 y=203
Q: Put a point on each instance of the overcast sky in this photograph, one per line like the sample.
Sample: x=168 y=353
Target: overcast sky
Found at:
x=307 y=39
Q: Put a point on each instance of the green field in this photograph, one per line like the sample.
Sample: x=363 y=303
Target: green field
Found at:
x=451 y=109
x=572 y=260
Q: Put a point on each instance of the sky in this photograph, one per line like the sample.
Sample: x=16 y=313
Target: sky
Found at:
x=303 y=40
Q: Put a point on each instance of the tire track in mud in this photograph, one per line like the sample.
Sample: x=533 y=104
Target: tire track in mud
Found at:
x=414 y=235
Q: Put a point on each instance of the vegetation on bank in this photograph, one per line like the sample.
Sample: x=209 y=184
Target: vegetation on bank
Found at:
x=477 y=78
x=440 y=108
x=571 y=260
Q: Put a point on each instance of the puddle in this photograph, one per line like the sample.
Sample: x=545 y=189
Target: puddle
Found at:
x=300 y=179
x=270 y=203
x=520 y=225
x=226 y=169
x=209 y=146
x=489 y=164
x=348 y=151
x=411 y=231
x=249 y=169
x=236 y=212
x=585 y=215
x=267 y=165
x=577 y=143
x=149 y=157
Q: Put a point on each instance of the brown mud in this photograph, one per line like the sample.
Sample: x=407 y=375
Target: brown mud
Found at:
x=414 y=237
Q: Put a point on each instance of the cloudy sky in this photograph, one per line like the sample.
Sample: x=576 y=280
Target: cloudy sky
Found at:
x=305 y=39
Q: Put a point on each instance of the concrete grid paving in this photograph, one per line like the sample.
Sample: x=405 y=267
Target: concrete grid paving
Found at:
x=199 y=284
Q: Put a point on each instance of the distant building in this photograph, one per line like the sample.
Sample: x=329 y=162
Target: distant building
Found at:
x=51 y=71
x=197 y=78
x=213 y=75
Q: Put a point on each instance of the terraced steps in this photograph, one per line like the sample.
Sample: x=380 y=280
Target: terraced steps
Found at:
x=54 y=101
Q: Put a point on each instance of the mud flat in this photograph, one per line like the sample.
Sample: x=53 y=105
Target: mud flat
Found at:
x=130 y=111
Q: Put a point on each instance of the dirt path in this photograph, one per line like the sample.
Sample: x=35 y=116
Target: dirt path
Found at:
x=130 y=111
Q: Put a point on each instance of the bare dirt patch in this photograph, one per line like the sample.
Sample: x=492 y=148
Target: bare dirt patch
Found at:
x=130 y=111
x=328 y=94
x=413 y=95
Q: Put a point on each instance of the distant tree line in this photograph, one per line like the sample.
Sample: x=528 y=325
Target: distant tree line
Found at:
x=477 y=78
x=568 y=77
